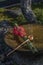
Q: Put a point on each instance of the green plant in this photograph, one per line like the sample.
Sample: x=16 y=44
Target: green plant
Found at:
x=38 y=10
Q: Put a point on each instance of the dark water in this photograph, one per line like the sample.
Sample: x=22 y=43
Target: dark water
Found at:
x=19 y=58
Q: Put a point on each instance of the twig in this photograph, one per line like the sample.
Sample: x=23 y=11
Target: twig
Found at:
x=17 y=47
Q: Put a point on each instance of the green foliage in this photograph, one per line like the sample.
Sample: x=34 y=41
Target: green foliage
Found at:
x=38 y=10
x=2 y=9
x=20 y=19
